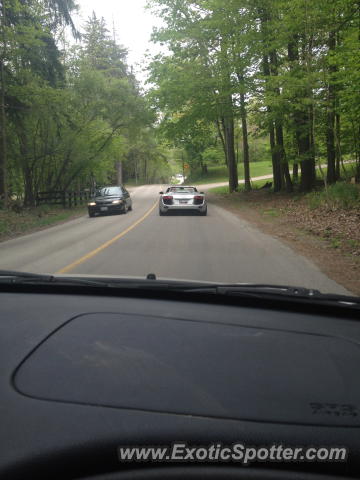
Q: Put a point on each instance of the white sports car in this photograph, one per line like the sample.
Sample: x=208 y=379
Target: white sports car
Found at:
x=182 y=198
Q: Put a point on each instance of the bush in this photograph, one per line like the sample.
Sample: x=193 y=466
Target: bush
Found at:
x=340 y=195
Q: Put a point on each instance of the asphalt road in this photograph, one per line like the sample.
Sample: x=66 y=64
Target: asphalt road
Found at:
x=219 y=247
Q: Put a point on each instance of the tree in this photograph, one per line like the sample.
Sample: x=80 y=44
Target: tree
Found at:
x=68 y=116
x=295 y=61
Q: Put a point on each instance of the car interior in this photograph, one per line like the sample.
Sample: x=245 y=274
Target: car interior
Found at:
x=86 y=369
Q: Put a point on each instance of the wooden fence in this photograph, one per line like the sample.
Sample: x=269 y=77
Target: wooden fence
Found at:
x=66 y=199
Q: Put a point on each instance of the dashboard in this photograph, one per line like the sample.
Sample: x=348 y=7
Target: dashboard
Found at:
x=84 y=374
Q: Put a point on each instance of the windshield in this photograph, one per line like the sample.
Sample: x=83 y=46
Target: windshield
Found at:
x=108 y=191
x=194 y=140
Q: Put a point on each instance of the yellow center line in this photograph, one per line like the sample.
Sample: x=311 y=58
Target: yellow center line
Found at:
x=107 y=244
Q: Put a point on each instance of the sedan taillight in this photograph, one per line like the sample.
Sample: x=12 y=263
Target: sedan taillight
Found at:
x=167 y=199
x=198 y=199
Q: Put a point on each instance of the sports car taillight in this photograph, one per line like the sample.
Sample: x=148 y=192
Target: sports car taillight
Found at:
x=198 y=199
x=167 y=199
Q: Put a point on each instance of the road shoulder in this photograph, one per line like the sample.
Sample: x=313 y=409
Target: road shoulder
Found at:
x=339 y=264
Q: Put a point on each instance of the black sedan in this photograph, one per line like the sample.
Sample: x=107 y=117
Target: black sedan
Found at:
x=110 y=200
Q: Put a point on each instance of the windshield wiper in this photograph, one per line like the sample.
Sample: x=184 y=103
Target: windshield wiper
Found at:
x=234 y=288
x=271 y=290
x=263 y=290
x=10 y=276
x=151 y=283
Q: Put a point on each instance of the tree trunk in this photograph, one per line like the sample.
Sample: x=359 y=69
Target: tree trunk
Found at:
x=243 y=114
x=296 y=172
x=307 y=175
x=221 y=129
x=275 y=159
x=3 y=152
x=330 y=146
x=285 y=177
x=330 y=128
x=338 y=156
x=304 y=141
x=281 y=173
x=227 y=115
x=293 y=57
x=245 y=143
x=29 y=197
x=230 y=152
x=274 y=154
x=302 y=121
x=3 y=156
x=27 y=170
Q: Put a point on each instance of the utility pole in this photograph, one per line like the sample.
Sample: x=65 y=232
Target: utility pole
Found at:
x=3 y=160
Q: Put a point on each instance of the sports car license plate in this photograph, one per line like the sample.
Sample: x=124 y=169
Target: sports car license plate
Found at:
x=103 y=209
x=183 y=201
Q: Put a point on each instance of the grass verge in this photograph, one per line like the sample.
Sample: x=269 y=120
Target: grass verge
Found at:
x=256 y=184
x=28 y=220
x=340 y=195
x=219 y=173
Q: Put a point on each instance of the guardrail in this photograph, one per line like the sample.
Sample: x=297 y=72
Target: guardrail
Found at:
x=66 y=199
